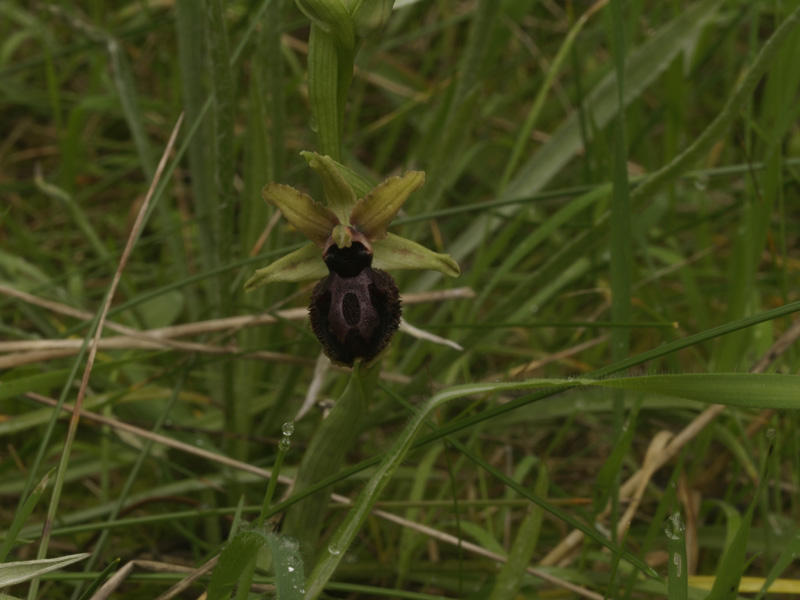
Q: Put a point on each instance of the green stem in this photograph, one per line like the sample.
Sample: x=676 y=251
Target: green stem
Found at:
x=336 y=435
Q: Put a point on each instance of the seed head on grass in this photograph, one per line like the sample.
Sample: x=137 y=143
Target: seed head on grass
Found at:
x=355 y=308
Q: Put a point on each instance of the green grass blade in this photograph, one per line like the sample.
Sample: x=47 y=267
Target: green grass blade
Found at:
x=733 y=563
x=509 y=580
x=643 y=66
x=21 y=515
x=756 y=390
x=722 y=121
x=677 y=563
x=787 y=556
x=100 y=580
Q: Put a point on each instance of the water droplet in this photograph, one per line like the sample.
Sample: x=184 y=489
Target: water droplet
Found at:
x=771 y=434
x=285 y=444
x=312 y=125
x=290 y=544
x=291 y=569
x=288 y=428
x=334 y=549
x=678 y=562
x=675 y=527
x=198 y=442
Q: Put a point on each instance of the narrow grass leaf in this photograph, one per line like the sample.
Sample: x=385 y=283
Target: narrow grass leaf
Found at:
x=677 y=563
x=757 y=390
x=789 y=554
x=88 y=594
x=17 y=572
x=643 y=66
x=21 y=516
x=509 y=580
x=733 y=563
x=605 y=483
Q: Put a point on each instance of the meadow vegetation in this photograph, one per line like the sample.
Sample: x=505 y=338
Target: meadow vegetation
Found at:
x=603 y=403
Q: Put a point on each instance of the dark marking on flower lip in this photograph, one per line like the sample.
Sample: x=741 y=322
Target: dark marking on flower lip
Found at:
x=356 y=309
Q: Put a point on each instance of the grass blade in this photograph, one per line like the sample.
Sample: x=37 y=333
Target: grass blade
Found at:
x=21 y=515
x=733 y=563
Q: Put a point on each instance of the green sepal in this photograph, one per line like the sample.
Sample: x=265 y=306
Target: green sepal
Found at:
x=373 y=213
x=331 y=16
x=396 y=252
x=339 y=194
x=300 y=265
x=310 y=218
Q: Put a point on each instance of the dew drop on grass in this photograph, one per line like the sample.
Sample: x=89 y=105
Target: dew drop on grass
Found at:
x=312 y=125
x=285 y=444
x=198 y=442
x=678 y=562
x=334 y=549
x=288 y=428
x=675 y=527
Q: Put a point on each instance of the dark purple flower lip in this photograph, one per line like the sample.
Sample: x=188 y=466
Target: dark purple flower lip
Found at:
x=356 y=309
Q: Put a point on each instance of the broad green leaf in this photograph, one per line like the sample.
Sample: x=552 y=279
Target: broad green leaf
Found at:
x=162 y=310
x=233 y=560
x=311 y=218
x=300 y=265
x=288 y=566
x=17 y=572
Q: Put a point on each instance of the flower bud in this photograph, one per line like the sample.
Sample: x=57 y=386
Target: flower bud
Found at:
x=369 y=16
x=331 y=16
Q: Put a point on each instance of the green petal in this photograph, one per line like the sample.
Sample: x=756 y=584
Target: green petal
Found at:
x=340 y=196
x=300 y=265
x=373 y=213
x=397 y=252
x=314 y=220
